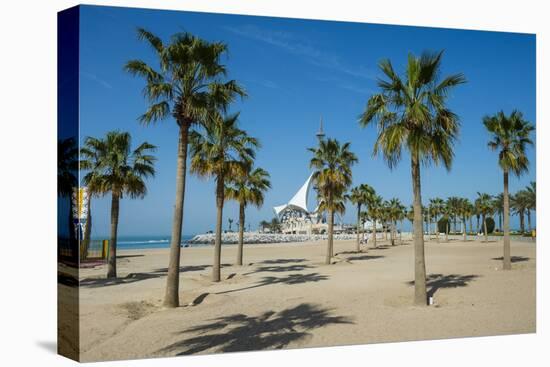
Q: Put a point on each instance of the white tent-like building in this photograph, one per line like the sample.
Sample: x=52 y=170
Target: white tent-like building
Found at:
x=298 y=201
x=295 y=217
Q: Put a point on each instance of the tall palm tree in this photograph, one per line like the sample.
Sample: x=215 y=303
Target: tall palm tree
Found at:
x=519 y=203
x=437 y=206
x=510 y=136
x=468 y=211
x=360 y=196
x=464 y=208
x=411 y=114
x=114 y=167
x=67 y=171
x=374 y=211
x=186 y=86
x=447 y=214
x=92 y=161
x=67 y=166
x=247 y=188
x=395 y=209
x=498 y=203
x=332 y=163
x=223 y=151
x=531 y=196
x=485 y=206
x=453 y=205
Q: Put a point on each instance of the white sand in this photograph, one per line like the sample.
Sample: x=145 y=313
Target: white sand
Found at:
x=285 y=297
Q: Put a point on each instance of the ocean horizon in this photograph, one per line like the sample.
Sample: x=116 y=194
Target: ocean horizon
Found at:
x=145 y=241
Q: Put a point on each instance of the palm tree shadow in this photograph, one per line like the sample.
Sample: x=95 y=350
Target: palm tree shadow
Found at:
x=136 y=277
x=280 y=269
x=290 y=279
x=514 y=259
x=364 y=257
x=270 y=330
x=282 y=261
x=438 y=281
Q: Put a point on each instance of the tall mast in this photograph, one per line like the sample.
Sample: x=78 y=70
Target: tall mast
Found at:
x=320 y=134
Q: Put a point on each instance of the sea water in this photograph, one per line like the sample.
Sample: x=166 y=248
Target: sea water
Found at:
x=144 y=242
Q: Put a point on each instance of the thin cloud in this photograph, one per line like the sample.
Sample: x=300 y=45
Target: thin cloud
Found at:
x=343 y=84
x=297 y=46
x=96 y=79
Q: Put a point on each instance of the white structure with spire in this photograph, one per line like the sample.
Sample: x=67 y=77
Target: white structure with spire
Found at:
x=295 y=217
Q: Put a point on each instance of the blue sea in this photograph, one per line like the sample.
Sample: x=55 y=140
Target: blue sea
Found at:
x=144 y=242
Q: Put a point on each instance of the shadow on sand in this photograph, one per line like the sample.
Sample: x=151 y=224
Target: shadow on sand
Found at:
x=438 y=281
x=136 y=277
x=290 y=279
x=270 y=330
x=364 y=257
x=514 y=259
x=282 y=261
x=280 y=269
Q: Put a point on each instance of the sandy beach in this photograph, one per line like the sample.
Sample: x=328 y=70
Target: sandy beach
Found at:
x=285 y=297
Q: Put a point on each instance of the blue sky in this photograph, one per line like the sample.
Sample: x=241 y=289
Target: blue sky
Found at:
x=294 y=72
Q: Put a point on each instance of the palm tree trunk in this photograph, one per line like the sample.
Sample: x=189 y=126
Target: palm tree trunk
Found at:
x=87 y=231
x=522 y=221
x=500 y=222
x=358 y=228
x=374 y=232
x=464 y=229
x=420 y=296
x=329 y=240
x=447 y=230
x=436 y=226
x=506 y=261
x=529 y=220
x=477 y=226
x=216 y=274
x=241 y=235
x=484 y=219
x=171 y=296
x=111 y=267
x=471 y=225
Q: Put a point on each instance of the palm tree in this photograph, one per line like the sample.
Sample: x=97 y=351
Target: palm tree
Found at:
x=453 y=205
x=464 y=210
x=275 y=225
x=437 y=206
x=92 y=161
x=468 y=211
x=519 y=203
x=395 y=210
x=187 y=87
x=411 y=114
x=510 y=136
x=230 y=221
x=332 y=163
x=531 y=196
x=374 y=211
x=223 y=151
x=67 y=166
x=263 y=225
x=114 y=167
x=484 y=204
x=447 y=214
x=246 y=189
x=498 y=203
x=360 y=196
x=67 y=171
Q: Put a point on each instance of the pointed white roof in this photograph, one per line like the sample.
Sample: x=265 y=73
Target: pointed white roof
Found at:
x=299 y=200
